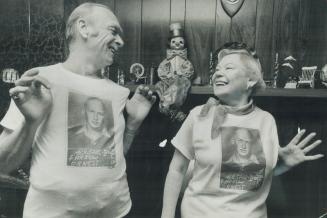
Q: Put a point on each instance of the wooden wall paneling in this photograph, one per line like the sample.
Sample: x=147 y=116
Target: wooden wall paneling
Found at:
x=155 y=31
x=313 y=119
x=14 y=24
x=263 y=37
x=244 y=24
x=316 y=44
x=177 y=11
x=46 y=42
x=200 y=28
x=303 y=42
x=13 y=43
x=285 y=24
x=129 y=13
x=222 y=27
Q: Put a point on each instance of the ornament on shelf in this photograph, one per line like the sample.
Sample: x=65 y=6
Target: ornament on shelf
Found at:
x=285 y=75
x=120 y=77
x=175 y=73
x=9 y=75
x=231 y=7
x=137 y=70
x=307 y=77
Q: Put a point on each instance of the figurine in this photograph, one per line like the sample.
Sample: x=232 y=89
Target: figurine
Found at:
x=287 y=74
x=176 y=63
x=175 y=73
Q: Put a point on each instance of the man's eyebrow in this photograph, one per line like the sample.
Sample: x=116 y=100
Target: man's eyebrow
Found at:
x=116 y=28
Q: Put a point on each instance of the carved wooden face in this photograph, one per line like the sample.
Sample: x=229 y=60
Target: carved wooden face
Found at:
x=177 y=43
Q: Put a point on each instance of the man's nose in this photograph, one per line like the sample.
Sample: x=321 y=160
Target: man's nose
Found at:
x=119 y=41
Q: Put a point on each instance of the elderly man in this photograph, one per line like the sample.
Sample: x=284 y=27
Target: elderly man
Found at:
x=45 y=102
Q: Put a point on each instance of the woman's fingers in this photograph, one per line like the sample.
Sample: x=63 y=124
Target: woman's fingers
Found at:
x=312 y=146
x=306 y=140
x=313 y=157
x=298 y=137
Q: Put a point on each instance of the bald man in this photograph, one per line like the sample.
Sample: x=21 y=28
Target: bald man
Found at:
x=47 y=100
x=242 y=155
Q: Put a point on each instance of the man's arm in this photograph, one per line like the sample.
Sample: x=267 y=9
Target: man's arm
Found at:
x=33 y=98
x=137 y=109
x=15 y=146
x=295 y=152
x=131 y=130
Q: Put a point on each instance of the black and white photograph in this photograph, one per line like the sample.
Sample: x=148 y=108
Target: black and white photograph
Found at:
x=163 y=108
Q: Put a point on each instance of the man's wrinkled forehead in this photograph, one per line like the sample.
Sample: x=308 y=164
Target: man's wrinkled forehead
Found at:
x=106 y=16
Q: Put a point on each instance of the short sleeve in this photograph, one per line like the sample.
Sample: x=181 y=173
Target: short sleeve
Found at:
x=274 y=139
x=183 y=141
x=119 y=94
x=13 y=117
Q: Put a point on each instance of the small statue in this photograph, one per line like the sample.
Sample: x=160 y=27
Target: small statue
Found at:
x=176 y=64
x=287 y=74
x=175 y=73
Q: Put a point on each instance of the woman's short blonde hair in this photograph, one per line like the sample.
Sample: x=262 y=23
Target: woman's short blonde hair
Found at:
x=251 y=62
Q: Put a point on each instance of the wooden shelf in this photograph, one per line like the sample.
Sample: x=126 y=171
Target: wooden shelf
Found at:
x=269 y=92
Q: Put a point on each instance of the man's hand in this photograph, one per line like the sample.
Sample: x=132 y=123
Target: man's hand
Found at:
x=32 y=96
x=295 y=152
x=139 y=106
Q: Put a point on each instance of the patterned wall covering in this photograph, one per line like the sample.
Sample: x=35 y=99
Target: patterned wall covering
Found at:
x=13 y=41
x=14 y=34
x=46 y=44
x=31 y=35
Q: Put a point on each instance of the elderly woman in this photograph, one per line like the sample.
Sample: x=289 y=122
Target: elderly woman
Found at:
x=216 y=189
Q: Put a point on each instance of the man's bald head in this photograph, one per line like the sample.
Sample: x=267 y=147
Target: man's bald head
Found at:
x=82 y=11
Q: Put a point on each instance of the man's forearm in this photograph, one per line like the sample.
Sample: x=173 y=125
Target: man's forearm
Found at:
x=131 y=129
x=15 y=146
x=129 y=136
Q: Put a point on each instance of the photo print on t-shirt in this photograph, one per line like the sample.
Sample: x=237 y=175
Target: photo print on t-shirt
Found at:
x=90 y=132
x=243 y=161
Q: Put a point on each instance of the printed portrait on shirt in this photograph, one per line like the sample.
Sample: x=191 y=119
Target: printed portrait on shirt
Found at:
x=90 y=132
x=243 y=161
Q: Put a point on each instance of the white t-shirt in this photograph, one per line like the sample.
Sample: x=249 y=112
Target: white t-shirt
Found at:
x=72 y=175
x=233 y=172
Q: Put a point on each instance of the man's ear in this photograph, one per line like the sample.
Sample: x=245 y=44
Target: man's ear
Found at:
x=251 y=83
x=82 y=28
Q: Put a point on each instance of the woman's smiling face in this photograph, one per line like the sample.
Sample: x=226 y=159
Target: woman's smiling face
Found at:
x=230 y=79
